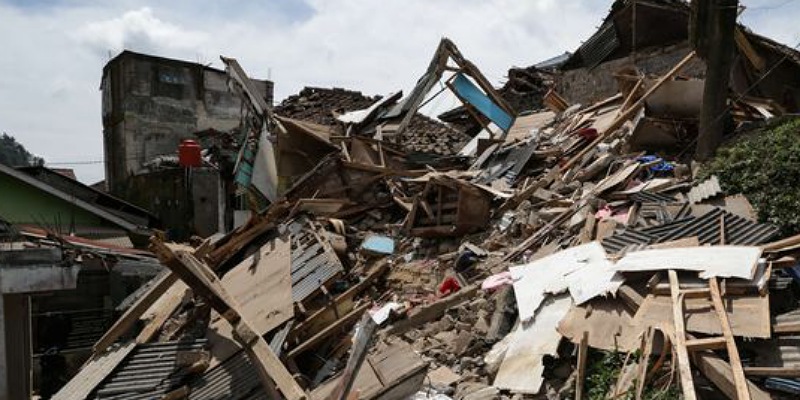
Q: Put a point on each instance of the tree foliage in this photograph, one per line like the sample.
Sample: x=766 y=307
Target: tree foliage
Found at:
x=14 y=154
x=764 y=165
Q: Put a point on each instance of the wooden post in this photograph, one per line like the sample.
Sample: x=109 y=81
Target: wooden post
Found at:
x=733 y=353
x=684 y=368
x=583 y=351
x=714 y=40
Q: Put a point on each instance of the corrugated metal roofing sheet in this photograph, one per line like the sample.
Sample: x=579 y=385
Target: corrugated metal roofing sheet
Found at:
x=150 y=371
x=234 y=379
x=600 y=45
x=630 y=237
x=648 y=197
x=313 y=264
x=82 y=384
x=738 y=231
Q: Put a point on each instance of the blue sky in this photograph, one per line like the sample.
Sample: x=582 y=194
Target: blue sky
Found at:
x=54 y=50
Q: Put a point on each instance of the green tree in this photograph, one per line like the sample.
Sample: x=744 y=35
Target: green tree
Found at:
x=14 y=154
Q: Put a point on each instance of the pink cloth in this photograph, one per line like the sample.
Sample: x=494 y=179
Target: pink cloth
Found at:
x=497 y=281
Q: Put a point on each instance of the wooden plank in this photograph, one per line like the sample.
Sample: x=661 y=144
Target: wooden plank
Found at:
x=127 y=321
x=205 y=283
x=627 y=114
x=632 y=95
x=684 y=369
x=357 y=356
x=786 y=372
x=709 y=343
x=646 y=349
x=583 y=350
x=748 y=314
x=719 y=372
x=337 y=326
x=733 y=353
x=161 y=310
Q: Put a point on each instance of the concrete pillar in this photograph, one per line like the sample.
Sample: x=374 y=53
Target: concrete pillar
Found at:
x=18 y=345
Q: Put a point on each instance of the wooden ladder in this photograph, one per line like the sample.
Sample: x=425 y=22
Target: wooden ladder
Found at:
x=684 y=346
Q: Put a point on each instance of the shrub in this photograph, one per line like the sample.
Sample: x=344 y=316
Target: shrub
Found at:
x=764 y=165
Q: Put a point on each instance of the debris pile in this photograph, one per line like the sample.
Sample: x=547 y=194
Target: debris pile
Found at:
x=561 y=239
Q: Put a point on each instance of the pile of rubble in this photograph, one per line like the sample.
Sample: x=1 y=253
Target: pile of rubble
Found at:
x=322 y=106
x=558 y=241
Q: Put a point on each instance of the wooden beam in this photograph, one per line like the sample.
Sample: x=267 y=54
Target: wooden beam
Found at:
x=433 y=311
x=709 y=343
x=357 y=356
x=733 y=353
x=684 y=368
x=162 y=284
x=127 y=321
x=320 y=315
x=631 y=297
x=786 y=372
x=164 y=307
x=333 y=328
x=719 y=372
x=204 y=282
x=583 y=350
x=746 y=48
x=627 y=114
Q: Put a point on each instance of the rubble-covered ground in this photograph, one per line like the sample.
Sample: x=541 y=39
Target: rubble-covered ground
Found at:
x=578 y=255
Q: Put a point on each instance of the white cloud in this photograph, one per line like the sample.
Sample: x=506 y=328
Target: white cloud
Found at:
x=50 y=80
x=139 y=29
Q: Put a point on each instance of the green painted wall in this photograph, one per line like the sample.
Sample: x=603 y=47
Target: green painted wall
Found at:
x=21 y=203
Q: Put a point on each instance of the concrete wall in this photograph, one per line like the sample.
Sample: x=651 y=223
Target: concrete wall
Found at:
x=586 y=86
x=184 y=209
x=150 y=104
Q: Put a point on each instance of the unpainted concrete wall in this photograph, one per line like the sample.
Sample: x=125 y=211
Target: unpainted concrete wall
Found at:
x=150 y=104
x=586 y=86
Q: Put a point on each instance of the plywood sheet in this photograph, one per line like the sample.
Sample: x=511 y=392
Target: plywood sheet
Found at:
x=608 y=321
x=748 y=315
x=263 y=289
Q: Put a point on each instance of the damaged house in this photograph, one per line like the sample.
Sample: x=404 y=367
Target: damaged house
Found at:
x=66 y=263
x=150 y=106
x=546 y=252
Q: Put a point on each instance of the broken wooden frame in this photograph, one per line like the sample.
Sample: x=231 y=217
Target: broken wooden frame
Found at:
x=448 y=207
x=205 y=283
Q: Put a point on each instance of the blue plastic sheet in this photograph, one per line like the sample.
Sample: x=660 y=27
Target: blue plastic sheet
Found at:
x=474 y=96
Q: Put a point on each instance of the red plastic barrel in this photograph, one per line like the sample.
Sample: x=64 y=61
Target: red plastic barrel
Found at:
x=189 y=154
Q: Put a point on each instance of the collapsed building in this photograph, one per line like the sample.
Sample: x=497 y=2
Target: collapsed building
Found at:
x=374 y=260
